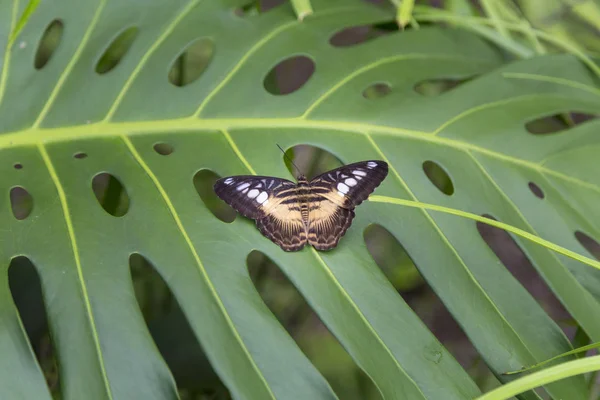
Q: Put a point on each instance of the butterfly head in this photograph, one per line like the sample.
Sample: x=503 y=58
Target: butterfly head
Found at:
x=302 y=181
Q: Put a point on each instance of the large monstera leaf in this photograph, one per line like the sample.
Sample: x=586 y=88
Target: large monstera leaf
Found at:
x=227 y=122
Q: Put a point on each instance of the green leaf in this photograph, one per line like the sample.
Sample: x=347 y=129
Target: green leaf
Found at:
x=65 y=123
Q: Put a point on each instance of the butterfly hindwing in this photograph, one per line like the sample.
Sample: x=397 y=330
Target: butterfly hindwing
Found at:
x=267 y=200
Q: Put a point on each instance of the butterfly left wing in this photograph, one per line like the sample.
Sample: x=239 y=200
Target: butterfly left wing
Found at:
x=268 y=201
x=335 y=194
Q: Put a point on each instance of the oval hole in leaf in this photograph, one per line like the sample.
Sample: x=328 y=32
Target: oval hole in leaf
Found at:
x=536 y=190
x=48 y=44
x=164 y=149
x=304 y=326
x=171 y=330
x=204 y=181
x=518 y=264
x=257 y=7
x=310 y=160
x=557 y=122
x=80 y=155
x=115 y=52
x=21 y=202
x=111 y=194
x=353 y=35
x=289 y=75
x=18 y=166
x=377 y=90
x=435 y=87
x=26 y=291
x=591 y=245
x=439 y=177
x=192 y=62
x=392 y=258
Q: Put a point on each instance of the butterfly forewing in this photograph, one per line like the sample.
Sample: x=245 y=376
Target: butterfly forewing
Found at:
x=351 y=184
x=267 y=200
x=319 y=211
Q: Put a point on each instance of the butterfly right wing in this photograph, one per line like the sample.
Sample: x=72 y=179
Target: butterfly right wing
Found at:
x=269 y=201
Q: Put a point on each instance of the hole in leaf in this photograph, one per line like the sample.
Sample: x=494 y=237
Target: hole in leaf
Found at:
x=304 y=326
x=172 y=333
x=26 y=290
x=536 y=190
x=204 y=180
x=48 y=44
x=257 y=7
x=310 y=160
x=289 y=75
x=116 y=50
x=439 y=177
x=164 y=149
x=111 y=194
x=377 y=90
x=435 y=87
x=354 y=35
x=392 y=258
x=18 y=166
x=80 y=155
x=591 y=245
x=398 y=267
x=518 y=264
x=557 y=122
x=21 y=202
x=192 y=62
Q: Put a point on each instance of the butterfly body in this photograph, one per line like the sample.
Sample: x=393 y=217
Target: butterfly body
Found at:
x=317 y=212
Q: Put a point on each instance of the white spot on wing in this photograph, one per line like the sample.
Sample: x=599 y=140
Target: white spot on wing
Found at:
x=344 y=176
x=262 y=197
x=371 y=164
x=350 y=182
x=271 y=182
x=359 y=173
x=243 y=186
x=253 y=193
x=228 y=181
x=342 y=188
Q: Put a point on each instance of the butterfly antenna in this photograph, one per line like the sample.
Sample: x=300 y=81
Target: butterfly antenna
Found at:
x=290 y=160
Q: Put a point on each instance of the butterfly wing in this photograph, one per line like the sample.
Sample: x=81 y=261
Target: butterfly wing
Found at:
x=335 y=194
x=267 y=200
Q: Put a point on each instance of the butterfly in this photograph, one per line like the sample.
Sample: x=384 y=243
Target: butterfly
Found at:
x=317 y=212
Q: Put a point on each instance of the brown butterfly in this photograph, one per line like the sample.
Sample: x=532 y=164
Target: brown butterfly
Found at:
x=318 y=211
